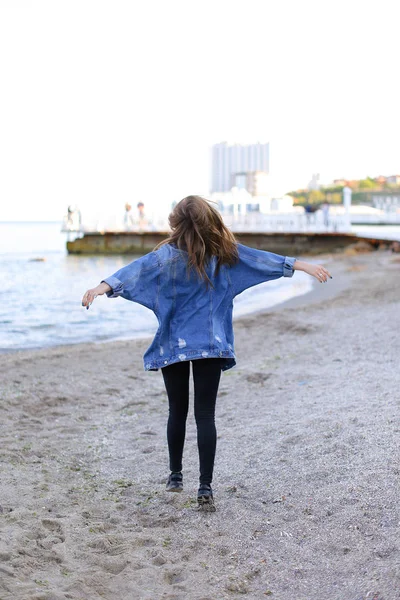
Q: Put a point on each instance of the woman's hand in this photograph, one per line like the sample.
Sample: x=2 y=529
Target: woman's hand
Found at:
x=317 y=271
x=90 y=295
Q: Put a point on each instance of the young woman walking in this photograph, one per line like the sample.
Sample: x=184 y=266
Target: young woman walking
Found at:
x=189 y=281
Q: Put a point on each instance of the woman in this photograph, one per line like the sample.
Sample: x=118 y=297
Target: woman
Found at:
x=189 y=281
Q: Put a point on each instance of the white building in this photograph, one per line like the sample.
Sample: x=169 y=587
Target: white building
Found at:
x=387 y=201
x=240 y=202
x=314 y=183
x=393 y=179
x=234 y=165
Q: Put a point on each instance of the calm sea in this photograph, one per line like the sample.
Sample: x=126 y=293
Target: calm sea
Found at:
x=40 y=301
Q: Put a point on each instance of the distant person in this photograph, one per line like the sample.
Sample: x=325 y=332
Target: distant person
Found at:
x=73 y=219
x=129 y=221
x=70 y=217
x=77 y=217
x=308 y=211
x=141 y=215
x=190 y=281
x=325 y=214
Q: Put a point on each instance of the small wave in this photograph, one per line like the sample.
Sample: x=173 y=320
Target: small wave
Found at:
x=19 y=331
x=4 y=350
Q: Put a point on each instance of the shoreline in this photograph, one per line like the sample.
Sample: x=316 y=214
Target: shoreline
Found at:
x=314 y=292
x=322 y=292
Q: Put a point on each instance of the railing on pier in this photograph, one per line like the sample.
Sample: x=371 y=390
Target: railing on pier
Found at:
x=256 y=222
x=337 y=221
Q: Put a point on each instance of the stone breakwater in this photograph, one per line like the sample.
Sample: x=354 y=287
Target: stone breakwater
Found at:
x=288 y=244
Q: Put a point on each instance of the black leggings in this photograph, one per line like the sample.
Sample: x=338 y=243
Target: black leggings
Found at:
x=206 y=377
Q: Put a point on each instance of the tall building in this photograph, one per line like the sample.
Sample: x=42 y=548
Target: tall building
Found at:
x=314 y=183
x=233 y=165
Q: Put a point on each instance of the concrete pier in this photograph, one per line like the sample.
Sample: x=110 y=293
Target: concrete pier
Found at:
x=289 y=244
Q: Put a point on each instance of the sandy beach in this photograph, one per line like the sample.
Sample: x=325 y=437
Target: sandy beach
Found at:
x=307 y=476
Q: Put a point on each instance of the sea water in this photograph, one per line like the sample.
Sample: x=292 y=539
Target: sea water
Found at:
x=40 y=300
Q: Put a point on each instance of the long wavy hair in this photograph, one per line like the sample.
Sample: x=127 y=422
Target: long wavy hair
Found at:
x=197 y=227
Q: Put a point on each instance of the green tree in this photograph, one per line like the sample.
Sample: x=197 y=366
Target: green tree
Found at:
x=367 y=184
x=316 y=197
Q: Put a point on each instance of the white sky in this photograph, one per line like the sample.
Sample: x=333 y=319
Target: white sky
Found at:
x=107 y=102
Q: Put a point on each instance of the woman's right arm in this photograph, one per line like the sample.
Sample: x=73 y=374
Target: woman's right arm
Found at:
x=90 y=295
x=137 y=281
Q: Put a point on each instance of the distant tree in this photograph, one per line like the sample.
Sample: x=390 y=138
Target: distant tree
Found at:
x=368 y=184
x=361 y=197
x=333 y=197
x=316 y=197
x=362 y=193
x=333 y=189
x=299 y=197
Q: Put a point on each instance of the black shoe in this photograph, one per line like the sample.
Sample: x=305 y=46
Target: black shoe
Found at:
x=205 y=498
x=175 y=482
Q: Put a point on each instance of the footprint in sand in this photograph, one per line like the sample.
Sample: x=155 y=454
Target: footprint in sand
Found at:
x=259 y=378
x=173 y=577
x=162 y=521
x=54 y=401
x=111 y=564
x=112 y=545
x=55 y=527
x=159 y=560
x=112 y=391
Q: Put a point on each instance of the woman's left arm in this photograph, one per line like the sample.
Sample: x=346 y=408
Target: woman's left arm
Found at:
x=317 y=271
x=90 y=295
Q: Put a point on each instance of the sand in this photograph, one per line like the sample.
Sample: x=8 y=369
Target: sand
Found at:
x=307 y=476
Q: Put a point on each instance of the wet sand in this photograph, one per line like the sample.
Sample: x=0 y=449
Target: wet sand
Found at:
x=307 y=477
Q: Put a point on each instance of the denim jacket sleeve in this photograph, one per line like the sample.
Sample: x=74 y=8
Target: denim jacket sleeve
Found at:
x=256 y=266
x=137 y=282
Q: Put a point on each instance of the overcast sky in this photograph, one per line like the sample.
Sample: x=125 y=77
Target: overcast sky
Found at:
x=107 y=102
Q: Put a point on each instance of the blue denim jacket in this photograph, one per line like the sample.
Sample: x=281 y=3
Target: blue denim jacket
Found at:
x=194 y=321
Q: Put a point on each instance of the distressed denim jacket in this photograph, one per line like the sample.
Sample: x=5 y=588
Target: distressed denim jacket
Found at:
x=195 y=321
